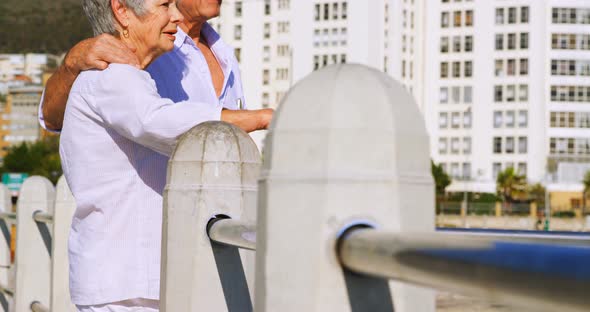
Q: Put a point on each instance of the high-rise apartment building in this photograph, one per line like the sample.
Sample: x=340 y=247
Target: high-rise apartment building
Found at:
x=506 y=88
x=279 y=42
x=501 y=83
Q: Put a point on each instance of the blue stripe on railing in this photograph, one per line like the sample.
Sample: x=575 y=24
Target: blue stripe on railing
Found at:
x=518 y=232
x=559 y=260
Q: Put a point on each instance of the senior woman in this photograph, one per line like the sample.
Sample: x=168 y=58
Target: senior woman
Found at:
x=115 y=142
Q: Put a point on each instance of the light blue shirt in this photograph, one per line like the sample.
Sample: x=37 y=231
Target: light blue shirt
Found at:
x=183 y=73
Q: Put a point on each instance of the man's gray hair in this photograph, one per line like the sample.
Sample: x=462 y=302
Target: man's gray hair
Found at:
x=100 y=14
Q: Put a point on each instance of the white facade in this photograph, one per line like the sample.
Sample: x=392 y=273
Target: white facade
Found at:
x=492 y=77
x=501 y=104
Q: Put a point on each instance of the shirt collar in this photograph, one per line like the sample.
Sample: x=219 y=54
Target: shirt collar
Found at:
x=220 y=48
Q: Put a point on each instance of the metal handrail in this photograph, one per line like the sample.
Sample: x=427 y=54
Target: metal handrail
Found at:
x=545 y=277
x=6 y=291
x=37 y=306
x=9 y=217
x=232 y=232
x=42 y=217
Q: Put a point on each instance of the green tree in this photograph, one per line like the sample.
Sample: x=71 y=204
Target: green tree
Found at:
x=511 y=186
x=441 y=178
x=586 y=183
x=38 y=158
x=536 y=192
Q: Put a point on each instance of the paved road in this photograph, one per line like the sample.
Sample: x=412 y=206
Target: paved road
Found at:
x=446 y=302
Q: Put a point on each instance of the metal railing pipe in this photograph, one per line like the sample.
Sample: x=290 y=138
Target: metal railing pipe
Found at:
x=9 y=217
x=542 y=277
x=233 y=233
x=37 y=306
x=43 y=217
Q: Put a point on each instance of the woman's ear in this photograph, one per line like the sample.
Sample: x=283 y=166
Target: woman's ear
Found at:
x=120 y=12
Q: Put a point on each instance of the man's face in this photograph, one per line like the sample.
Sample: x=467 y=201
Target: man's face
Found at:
x=199 y=9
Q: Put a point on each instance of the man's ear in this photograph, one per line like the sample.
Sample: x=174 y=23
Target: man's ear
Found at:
x=120 y=12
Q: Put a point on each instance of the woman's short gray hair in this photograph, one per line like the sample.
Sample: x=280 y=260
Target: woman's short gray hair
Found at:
x=100 y=14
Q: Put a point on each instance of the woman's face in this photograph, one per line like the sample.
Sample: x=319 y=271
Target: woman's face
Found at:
x=153 y=32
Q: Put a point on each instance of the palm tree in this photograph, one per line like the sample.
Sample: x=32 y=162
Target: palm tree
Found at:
x=441 y=178
x=586 y=183
x=511 y=186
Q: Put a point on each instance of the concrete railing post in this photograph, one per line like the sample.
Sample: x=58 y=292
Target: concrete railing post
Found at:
x=33 y=244
x=213 y=171
x=5 y=264
x=65 y=206
x=348 y=146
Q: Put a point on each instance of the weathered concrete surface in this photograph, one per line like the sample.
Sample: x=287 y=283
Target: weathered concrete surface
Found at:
x=65 y=206
x=213 y=171
x=348 y=145
x=32 y=260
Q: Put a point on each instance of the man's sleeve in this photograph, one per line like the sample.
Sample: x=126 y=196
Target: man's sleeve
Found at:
x=127 y=101
x=40 y=115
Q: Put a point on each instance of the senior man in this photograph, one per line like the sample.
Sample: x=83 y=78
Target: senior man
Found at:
x=201 y=68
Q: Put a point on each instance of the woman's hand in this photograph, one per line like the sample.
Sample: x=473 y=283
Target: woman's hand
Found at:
x=248 y=120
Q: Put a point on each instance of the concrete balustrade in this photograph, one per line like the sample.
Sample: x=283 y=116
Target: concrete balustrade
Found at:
x=38 y=279
x=213 y=172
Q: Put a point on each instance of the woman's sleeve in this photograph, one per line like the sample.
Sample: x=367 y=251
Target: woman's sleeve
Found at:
x=127 y=101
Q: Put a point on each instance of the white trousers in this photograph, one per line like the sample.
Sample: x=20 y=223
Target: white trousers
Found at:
x=131 y=305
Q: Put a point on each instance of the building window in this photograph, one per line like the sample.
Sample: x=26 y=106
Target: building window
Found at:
x=522 y=169
x=326 y=12
x=522 y=145
x=510 y=120
x=524 y=67
x=499 y=68
x=466 y=171
x=318 y=9
x=444 y=95
x=510 y=93
x=499 y=42
x=496 y=168
x=265 y=77
x=497 y=145
x=344 y=10
x=444 y=19
x=267 y=7
x=455 y=120
x=455 y=146
x=511 y=15
x=468 y=69
x=444 y=44
x=498 y=94
x=524 y=41
x=266 y=31
x=524 y=15
x=467 y=145
x=443 y=120
x=238 y=32
x=456 y=95
x=499 y=16
x=457 y=18
x=469 y=18
x=467 y=120
x=238 y=9
x=468 y=95
x=498 y=119
x=511 y=42
x=523 y=93
x=523 y=119
x=456 y=44
x=444 y=70
x=442 y=146
x=509 y=145
x=468 y=43
x=456 y=69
